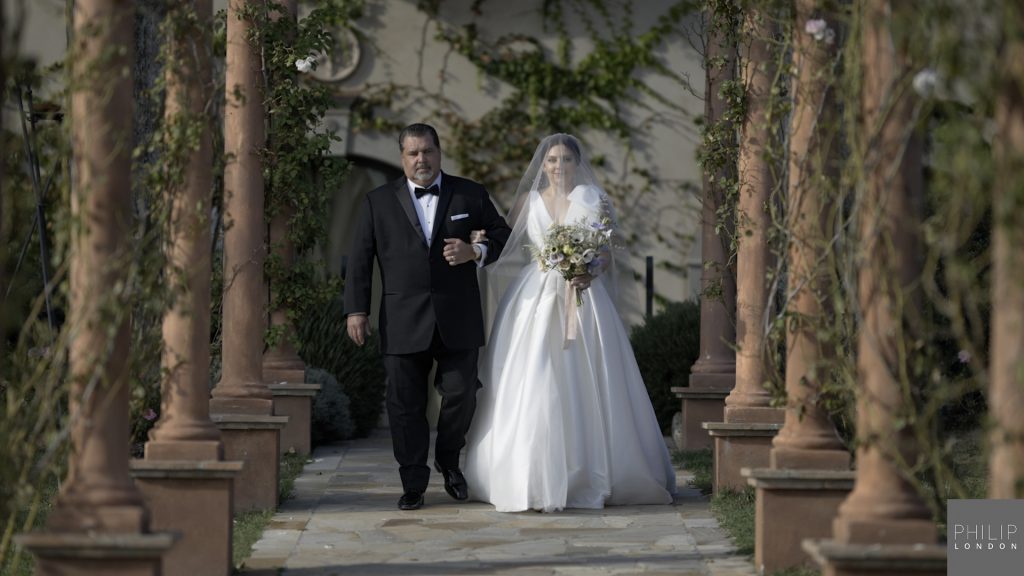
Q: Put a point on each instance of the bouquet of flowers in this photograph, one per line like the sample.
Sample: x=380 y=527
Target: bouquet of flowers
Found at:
x=575 y=249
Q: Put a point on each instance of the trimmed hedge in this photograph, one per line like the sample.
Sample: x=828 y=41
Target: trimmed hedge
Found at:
x=332 y=417
x=358 y=370
x=666 y=346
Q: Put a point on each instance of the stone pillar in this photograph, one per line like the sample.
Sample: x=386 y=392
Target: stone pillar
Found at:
x=884 y=514
x=241 y=389
x=1006 y=460
x=99 y=524
x=282 y=363
x=714 y=373
x=186 y=483
x=798 y=495
x=242 y=404
x=751 y=421
x=185 y=430
x=808 y=438
x=295 y=401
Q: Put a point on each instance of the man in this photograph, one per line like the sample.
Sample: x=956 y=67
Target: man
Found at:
x=418 y=228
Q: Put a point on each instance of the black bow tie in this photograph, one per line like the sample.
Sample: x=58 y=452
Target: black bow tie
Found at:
x=420 y=192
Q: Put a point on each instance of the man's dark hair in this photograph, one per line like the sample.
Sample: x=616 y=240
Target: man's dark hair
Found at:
x=419 y=131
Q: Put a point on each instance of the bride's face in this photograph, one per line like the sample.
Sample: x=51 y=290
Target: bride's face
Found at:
x=560 y=166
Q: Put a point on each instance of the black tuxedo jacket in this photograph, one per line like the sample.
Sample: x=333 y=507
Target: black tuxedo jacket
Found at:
x=420 y=288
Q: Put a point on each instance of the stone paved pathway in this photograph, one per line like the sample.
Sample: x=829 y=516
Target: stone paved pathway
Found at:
x=343 y=519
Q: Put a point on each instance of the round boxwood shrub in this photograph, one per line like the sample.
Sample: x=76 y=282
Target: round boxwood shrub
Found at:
x=359 y=370
x=666 y=346
x=332 y=420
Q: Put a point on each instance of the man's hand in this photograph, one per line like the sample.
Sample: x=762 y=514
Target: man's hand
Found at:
x=358 y=328
x=458 y=252
x=582 y=282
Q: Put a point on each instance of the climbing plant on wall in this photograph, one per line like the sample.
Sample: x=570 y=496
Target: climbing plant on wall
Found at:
x=558 y=86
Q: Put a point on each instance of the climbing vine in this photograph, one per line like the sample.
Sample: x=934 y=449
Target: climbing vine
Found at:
x=300 y=172
x=557 y=90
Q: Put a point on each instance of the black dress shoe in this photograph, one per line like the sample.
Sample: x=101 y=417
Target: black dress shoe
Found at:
x=454 y=482
x=411 y=500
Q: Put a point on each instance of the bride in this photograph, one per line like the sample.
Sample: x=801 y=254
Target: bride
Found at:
x=563 y=419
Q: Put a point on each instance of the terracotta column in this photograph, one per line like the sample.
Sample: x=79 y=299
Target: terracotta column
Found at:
x=99 y=493
x=749 y=401
x=1006 y=461
x=99 y=523
x=185 y=429
x=808 y=438
x=744 y=438
x=714 y=373
x=186 y=483
x=241 y=388
x=242 y=403
x=884 y=507
x=798 y=494
x=282 y=363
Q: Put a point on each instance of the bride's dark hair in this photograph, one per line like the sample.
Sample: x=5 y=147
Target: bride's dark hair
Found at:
x=559 y=140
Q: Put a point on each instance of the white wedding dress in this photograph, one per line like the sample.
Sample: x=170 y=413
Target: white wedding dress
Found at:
x=562 y=427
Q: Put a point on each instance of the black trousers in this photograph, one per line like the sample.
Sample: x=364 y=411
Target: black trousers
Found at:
x=406 y=399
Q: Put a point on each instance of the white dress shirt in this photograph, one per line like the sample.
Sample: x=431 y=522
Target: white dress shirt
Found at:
x=426 y=211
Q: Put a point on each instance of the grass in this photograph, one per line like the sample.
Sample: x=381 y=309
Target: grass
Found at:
x=291 y=467
x=697 y=462
x=20 y=563
x=247 y=530
x=249 y=526
x=735 y=512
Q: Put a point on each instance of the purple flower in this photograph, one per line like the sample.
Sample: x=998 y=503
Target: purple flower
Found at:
x=149 y=414
x=963 y=356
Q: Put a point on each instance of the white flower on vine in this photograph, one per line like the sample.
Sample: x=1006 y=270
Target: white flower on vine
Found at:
x=305 y=64
x=925 y=82
x=819 y=29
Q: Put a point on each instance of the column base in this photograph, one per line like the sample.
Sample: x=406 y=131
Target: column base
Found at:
x=296 y=402
x=758 y=414
x=184 y=450
x=738 y=446
x=110 y=554
x=193 y=498
x=787 y=458
x=913 y=531
x=698 y=407
x=838 y=559
x=254 y=440
x=798 y=504
x=274 y=375
x=240 y=405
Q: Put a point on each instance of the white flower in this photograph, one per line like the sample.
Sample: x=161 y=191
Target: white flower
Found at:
x=963 y=356
x=925 y=82
x=589 y=254
x=305 y=64
x=816 y=28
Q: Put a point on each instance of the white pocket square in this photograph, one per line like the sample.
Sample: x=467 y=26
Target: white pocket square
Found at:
x=459 y=217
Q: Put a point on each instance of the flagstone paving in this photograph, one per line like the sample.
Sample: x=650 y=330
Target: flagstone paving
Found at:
x=342 y=519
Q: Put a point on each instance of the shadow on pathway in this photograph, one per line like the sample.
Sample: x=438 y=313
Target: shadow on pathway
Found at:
x=343 y=519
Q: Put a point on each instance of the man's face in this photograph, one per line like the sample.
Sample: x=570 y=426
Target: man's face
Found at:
x=421 y=159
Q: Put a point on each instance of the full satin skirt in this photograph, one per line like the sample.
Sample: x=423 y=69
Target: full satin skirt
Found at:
x=563 y=427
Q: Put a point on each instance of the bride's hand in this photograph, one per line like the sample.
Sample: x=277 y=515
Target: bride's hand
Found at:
x=582 y=282
x=477 y=236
